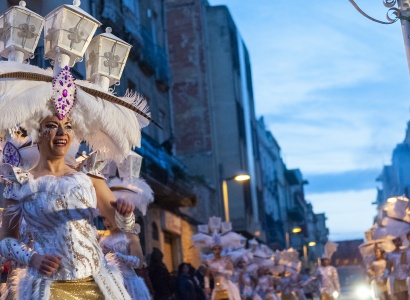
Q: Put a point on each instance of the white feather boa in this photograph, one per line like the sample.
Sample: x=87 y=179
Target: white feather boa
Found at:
x=112 y=129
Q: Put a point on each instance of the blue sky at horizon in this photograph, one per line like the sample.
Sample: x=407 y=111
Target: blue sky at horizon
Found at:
x=334 y=88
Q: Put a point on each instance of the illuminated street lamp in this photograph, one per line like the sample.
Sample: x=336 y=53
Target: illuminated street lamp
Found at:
x=240 y=177
x=20 y=30
x=294 y=230
x=401 y=12
x=392 y=200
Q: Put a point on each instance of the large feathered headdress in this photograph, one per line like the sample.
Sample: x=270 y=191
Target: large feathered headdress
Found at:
x=217 y=233
x=28 y=94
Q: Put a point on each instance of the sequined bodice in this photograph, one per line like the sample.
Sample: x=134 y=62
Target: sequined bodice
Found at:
x=378 y=267
x=217 y=267
x=59 y=212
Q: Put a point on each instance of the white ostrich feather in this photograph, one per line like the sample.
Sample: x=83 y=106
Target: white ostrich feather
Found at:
x=202 y=241
x=108 y=127
x=20 y=100
x=139 y=192
x=139 y=102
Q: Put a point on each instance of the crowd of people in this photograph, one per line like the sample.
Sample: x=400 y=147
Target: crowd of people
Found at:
x=238 y=269
x=238 y=282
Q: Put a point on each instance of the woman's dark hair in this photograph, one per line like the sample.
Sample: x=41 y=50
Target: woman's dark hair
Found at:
x=181 y=267
x=382 y=252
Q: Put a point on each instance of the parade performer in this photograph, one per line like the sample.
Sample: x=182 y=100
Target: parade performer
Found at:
x=285 y=286
x=59 y=202
x=297 y=283
x=215 y=237
x=328 y=279
x=220 y=269
x=244 y=280
x=265 y=285
x=376 y=273
x=264 y=260
x=124 y=248
x=398 y=270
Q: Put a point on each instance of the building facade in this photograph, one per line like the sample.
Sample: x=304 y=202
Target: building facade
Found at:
x=290 y=219
x=213 y=98
x=394 y=179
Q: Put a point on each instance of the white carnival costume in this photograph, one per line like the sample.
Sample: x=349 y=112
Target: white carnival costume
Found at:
x=327 y=276
x=59 y=211
x=222 y=280
x=220 y=234
x=116 y=246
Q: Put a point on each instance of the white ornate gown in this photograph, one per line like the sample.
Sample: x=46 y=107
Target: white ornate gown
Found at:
x=222 y=281
x=59 y=212
x=135 y=285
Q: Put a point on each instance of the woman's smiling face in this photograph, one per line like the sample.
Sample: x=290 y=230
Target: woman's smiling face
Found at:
x=55 y=137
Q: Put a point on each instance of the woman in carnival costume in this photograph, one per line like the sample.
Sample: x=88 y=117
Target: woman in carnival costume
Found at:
x=245 y=282
x=217 y=237
x=242 y=258
x=124 y=247
x=57 y=201
x=376 y=273
x=266 y=285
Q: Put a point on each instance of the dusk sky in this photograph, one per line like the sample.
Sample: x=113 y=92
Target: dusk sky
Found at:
x=333 y=88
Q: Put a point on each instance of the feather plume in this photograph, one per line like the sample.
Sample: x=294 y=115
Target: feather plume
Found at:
x=330 y=248
x=106 y=126
x=112 y=129
x=20 y=100
x=140 y=103
x=136 y=191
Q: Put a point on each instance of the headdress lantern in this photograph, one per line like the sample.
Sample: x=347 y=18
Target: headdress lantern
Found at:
x=105 y=121
x=68 y=32
x=20 y=30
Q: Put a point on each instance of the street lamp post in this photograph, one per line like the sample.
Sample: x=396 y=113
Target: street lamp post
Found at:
x=239 y=177
x=401 y=12
x=294 y=230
